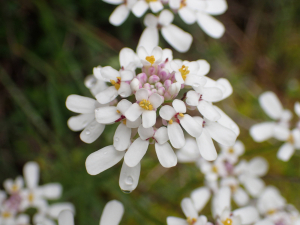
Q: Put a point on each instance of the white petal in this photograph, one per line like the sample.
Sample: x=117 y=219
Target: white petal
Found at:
x=248 y=215
x=187 y=15
x=141 y=94
x=103 y=159
x=31 y=172
x=134 y=124
x=266 y=221
x=107 y=115
x=167 y=112
x=124 y=90
x=221 y=201
x=149 y=39
x=133 y=112
x=206 y=146
x=210 y=25
x=174 y=36
x=123 y=105
x=56 y=208
x=189 y=152
x=145 y=133
x=297 y=108
x=171 y=220
x=122 y=137
x=126 y=75
x=208 y=111
x=174 y=4
x=156 y=6
x=200 y=197
x=114 y=2
x=285 y=152
x=179 y=106
x=192 y=98
x=190 y=125
x=148 y=118
x=296 y=137
x=240 y=197
x=66 y=218
x=188 y=208
x=195 y=80
x=281 y=133
x=165 y=17
x=155 y=100
x=212 y=94
x=139 y=8
x=176 y=135
x=127 y=56
x=165 y=155
x=258 y=166
x=253 y=185
x=204 y=67
x=129 y=177
x=271 y=105
x=107 y=95
x=119 y=15
x=136 y=152
x=220 y=133
x=226 y=121
x=92 y=132
x=112 y=213
x=52 y=190
x=77 y=123
x=109 y=73
x=227 y=88
x=262 y=131
x=161 y=135
x=80 y=104
x=216 y=7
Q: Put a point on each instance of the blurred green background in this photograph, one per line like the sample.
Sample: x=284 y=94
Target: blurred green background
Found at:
x=48 y=48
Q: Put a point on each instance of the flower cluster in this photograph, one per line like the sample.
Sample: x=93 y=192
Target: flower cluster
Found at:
x=16 y=199
x=280 y=128
x=190 y=11
x=147 y=108
x=111 y=215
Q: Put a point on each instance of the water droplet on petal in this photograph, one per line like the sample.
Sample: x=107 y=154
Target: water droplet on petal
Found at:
x=87 y=132
x=129 y=180
x=196 y=85
x=84 y=123
x=126 y=191
x=97 y=110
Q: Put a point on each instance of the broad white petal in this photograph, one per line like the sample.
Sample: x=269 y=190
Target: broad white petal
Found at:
x=129 y=177
x=66 y=218
x=92 y=132
x=56 y=208
x=103 y=159
x=119 y=15
x=206 y=146
x=226 y=121
x=179 y=106
x=148 y=118
x=281 y=133
x=258 y=166
x=192 y=98
x=240 y=197
x=297 y=108
x=165 y=17
x=80 y=104
x=133 y=112
x=285 y=152
x=134 y=124
x=114 y=2
x=212 y=94
x=77 y=123
x=165 y=155
x=126 y=75
x=124 y=90
x=139 y=8
x=107 y=95
x=188 y=208
x=52 y=190
x=187 y=15
x=167 y=112
x=262 y=131
x=127 y=56
x=141 y=94
x=31 y=172
x=216 y=7
x=156 y=6
x=270 y=103
x=136 y=152
x=176 y=135
x=107 y=115
x=171 y=220
x=145 y=133
x=108 y=73
x=155 y=100
x=204 y=67
x=123 y=105
x=226 y=87
x=248 y=215
x=112 y=213
x=190 y=125
x=253 y=185
x=221 y=201
x=210 y=25
x=161 y=135
x=149 y=39
x=122 y=137
x=208 y=111
x=174 y=36
x=195 y=80
x=200 y=197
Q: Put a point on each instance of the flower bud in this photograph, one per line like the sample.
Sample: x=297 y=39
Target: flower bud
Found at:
x=135 y=84
x=147 y=86
x=153 y=79
x=167 y=84
x=142 y=77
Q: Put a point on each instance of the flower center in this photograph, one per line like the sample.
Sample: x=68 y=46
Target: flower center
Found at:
x=6 y=214
x=214 y=169
x=231 y=150
x=151 y=58
x=145 y=104
x=14 y=188
x=228 y=221
x=182 y=4
x=30 y=197
x=184 y=70
x=117 y=83
x=271 y=211
x=291 y=139
x=191 y=221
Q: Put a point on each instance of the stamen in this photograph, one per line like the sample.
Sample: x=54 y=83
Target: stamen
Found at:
x=291 y=139
x=182 y=4
x=151 y=58
x=181 y=114
x=271 y=211
x=30 y=197
x=124 y=121
x=145 y=104
x=231 y=150
x=118 y=111
x=14 y=188
x=6 y=214
x=170 y=121
x=117 y=83
x=148 y=1
x=184 y=70
x=191 y=221
x=228 y=221
x=214 y=169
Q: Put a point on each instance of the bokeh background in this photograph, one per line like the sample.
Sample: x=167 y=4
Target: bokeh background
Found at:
x=49 y=47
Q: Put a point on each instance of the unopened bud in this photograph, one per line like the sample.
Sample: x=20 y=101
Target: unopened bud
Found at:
x=153 y=79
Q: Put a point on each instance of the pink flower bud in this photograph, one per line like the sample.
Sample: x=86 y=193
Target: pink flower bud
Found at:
x=142 y=77
x=158 y=85
x=161 y=91
x=164 y=74
x=147 y=86
x=167 y=84
x=153 y=79
x=151 y=70
x=153 y=90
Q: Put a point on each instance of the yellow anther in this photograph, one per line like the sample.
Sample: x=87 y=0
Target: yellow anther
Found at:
x=170 y=121
x=191 y=221
x=233 y=188
x=116 y=83
x=145 y=104
x=6 y=215
x=214 y=169
x=184 y=70
x=30 y=197
x=181 y=114
x=150 y=59
x=14 y=188
x=182 y=4
x=118 y=111
x=231 y=150
x=148 y=1
x=228 y=221
x=271 y=211
x=124 y=121
x=291 y=139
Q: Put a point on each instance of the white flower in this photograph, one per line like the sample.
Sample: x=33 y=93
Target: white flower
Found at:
x=141 y=6
x=190 y=213
x=120 y=85
x=292 y=139
x=111 y=215
x=189 y=152
x=146 y=106
x=232 y=153
x=176 y=37
x=112 y=114
x=150 y=59
x=86 y=120
x=95 y=83
x=177 y=116
x=137 y=150
x=13 y=186
x=120 y=14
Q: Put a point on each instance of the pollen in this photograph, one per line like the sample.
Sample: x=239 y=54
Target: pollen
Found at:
x=184 y=70
x=145 y=104
x=291 y=139
x=228 y=221
x=117 y=83
x=181 y=114
x=14 y=188
x=271 y=211
x=214 y=169
x=124 y=121
x=231 y=150
x=118 y=111
x=182 y=4
x=150 y=59
x=148 y=1
x=6 y=215
x=30 y=197
x=170 y=121
x=191 y=221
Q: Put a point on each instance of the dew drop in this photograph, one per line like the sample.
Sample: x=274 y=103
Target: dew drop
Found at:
x=87 y=132
x=116 y=139
x=196 y=85
x=126 y=191
x=97 y=110
x=129 y=180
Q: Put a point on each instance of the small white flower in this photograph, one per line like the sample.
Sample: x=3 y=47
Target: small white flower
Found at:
x=232 y=153
x=189 y=152
x=13 y=186
x=150 y=59
x=141 y=6
x=95 y=83
x=292 y=139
